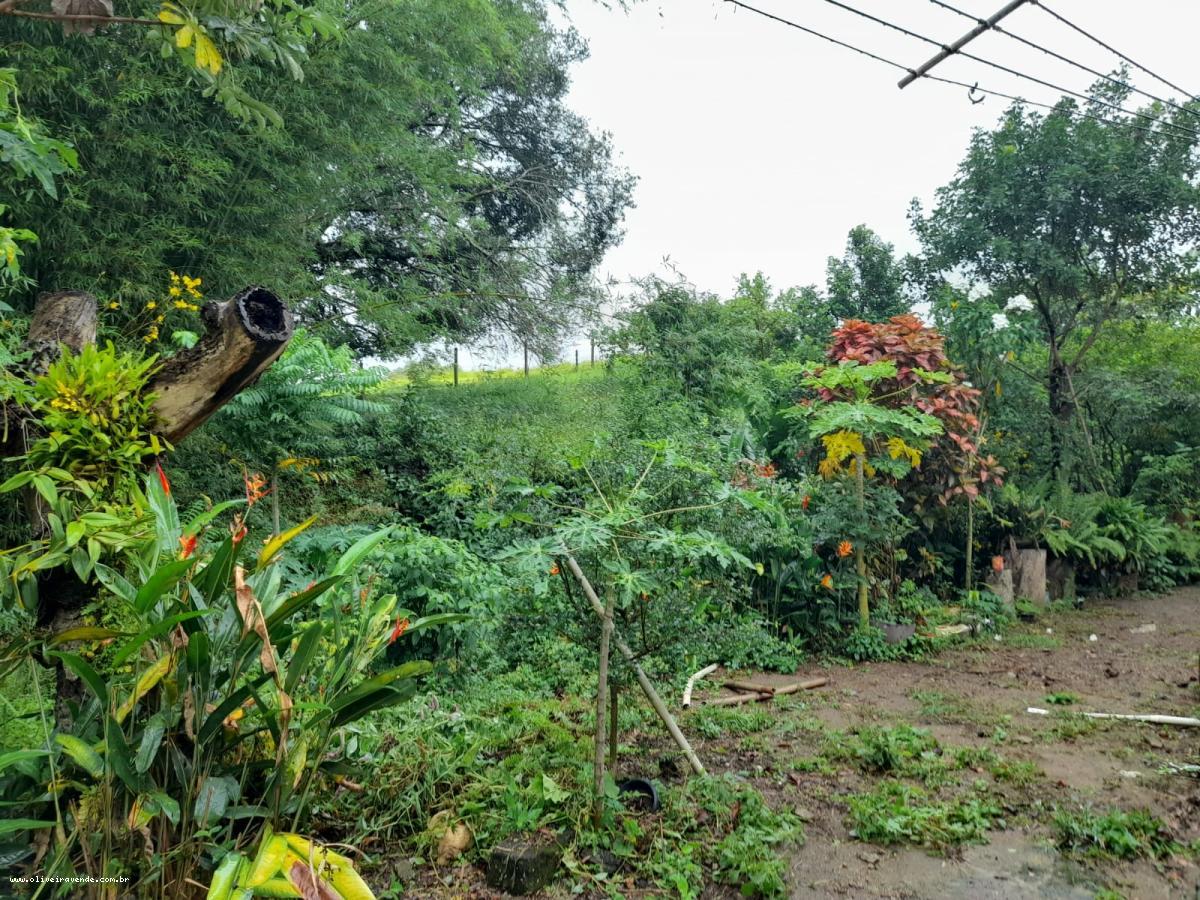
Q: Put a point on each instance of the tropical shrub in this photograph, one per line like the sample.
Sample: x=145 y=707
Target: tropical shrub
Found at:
x=212 y=710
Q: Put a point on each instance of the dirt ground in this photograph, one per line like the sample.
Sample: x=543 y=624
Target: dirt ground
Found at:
x=976 y=696
x=1126 y=669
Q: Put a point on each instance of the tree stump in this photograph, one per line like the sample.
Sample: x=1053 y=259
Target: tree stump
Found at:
x=1028 y=567
x=1060 y=575
x=523 y=864
x=1001 y=584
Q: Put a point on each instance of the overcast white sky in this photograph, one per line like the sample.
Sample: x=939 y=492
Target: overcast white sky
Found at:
x=759 y=147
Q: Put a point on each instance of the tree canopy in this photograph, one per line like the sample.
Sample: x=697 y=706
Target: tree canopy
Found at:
x=1086 y=216
x=424 y=179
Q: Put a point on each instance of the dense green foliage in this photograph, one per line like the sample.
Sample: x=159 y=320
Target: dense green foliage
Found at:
x=762 y=480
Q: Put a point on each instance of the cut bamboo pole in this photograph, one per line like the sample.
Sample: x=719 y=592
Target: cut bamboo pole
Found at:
x=642 y=680
x=691 y=683
x=606 y=629
x=1186 y=721
x=806 y=685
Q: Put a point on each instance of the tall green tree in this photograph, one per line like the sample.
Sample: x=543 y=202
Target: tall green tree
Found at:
x=868 y=281
x=427 y=179
x=1090 y=215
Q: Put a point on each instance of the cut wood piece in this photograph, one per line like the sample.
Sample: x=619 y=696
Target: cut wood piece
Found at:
x=752 y=686
x=245 y=334
x=806 y=685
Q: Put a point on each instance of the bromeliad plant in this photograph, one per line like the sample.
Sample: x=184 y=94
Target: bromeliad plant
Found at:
x=83 y=472
x=212 y=708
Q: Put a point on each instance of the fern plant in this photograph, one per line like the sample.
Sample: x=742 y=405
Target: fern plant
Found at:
x=310 y=393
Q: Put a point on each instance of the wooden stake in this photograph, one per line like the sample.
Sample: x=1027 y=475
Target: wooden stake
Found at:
x=643 y=681
x=606 y=630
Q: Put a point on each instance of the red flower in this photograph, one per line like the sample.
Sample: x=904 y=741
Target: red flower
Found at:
x=162 y=479
x=554 y=569
x=187 y=546
x=401 y=627
x=804 y=503
x=237 y=528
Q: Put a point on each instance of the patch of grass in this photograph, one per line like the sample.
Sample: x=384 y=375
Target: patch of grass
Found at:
x=895 y=813
x=720 y=721
x=1032 y=641
x=1018 y=772
x=745 y=856
x=1065 y=698
x=1115 y=834
x=893 y=750
x=935 y=706
x=814 y=764
x=1070 y=726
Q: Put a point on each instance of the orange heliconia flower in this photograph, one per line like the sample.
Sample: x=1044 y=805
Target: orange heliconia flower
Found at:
x=162 y=479
x=554 y=570
x=237 y=528
x=804 y=503
x=766 y=471
x=827 y=582
x=844 y=549
x=401 y=627
x=256 y=487
x=187 y=546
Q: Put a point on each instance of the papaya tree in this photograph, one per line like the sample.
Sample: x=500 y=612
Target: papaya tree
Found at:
x=864 y=438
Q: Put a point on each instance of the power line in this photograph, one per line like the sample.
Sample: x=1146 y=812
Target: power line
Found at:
x=981 y=26
x=1110 y=49
x=972 y=88
x=1003 y=68
x=993 y=26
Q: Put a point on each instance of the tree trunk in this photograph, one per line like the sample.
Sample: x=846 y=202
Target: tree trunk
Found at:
x=275 y=498
x=860 y=552
x=614 y=731
x=1058 y=390
x=970 y=578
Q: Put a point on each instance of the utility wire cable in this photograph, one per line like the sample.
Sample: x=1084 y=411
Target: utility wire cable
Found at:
x=1036 y=46
x=973 y=88
x=1003 y=68
x=1111 y=49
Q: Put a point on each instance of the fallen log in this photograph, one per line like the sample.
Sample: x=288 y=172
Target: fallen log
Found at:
x=752 y=686
x=806 y=685
x=245 y=334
